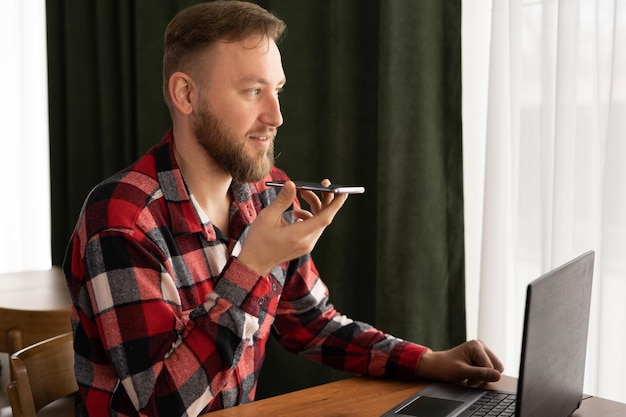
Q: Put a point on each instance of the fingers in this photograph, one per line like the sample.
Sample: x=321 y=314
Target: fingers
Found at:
x=497 y=364
x=480 y=376
x=301 y=214
x=324 y=211
x=478 y=354
x=315 y=202
x=481 y=355
x=327 y=197
x=287 y=194
x=312 y=200
x=322 y=217
x=484 y=365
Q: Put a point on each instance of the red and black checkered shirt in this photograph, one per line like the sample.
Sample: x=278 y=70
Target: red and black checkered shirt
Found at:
x=168 y=322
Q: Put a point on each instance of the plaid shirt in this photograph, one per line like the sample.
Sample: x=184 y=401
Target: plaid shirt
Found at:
x=168 y=322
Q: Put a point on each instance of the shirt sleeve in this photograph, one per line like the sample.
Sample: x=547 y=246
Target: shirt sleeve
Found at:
x=169 y=361
x=308 y=325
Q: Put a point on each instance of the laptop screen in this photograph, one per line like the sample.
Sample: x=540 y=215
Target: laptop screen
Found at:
x=552 y=367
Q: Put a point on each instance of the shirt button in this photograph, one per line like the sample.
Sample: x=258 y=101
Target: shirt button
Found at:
x=273 y=286
x=261 y=300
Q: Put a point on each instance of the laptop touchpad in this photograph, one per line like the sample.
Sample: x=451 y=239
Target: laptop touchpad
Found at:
x=429 y=407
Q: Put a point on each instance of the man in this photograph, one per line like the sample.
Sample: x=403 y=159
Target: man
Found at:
x=181 y=264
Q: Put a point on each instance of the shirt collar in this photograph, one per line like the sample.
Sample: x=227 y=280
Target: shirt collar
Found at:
x=184 y=214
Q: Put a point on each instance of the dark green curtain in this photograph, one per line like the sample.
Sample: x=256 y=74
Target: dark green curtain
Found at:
x=373 y=97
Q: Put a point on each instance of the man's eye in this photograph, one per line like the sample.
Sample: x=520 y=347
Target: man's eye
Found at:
x=254 y=91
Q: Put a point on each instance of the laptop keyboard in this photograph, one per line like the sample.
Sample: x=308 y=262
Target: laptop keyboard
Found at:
x=493 y=404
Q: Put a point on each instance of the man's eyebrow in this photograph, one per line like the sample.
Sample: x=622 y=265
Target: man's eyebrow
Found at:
x=258 y=80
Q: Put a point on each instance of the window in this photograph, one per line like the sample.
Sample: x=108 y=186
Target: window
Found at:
x=25 y=190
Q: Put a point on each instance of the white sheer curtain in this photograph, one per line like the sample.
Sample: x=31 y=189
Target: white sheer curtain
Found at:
x=25 y=189
x=544 y=114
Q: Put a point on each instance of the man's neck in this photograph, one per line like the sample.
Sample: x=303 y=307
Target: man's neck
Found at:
x=208 y=183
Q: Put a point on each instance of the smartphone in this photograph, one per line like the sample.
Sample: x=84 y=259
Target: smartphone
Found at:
x=316 y=186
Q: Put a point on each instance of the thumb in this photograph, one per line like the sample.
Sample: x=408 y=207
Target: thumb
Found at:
x=285 y=197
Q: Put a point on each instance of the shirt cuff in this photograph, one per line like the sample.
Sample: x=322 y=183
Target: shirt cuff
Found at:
x=404 y=359
x=243 y=287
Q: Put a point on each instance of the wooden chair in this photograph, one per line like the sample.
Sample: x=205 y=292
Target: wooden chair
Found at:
x=43 y=373
x=21 y=328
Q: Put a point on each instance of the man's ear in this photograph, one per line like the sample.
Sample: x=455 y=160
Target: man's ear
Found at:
x=180 y=88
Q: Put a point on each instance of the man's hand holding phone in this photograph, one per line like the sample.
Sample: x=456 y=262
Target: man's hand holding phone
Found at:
x=272 y=241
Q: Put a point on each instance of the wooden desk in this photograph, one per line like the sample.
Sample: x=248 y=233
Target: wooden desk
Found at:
x=353 y=397
x=365 y=397
x=35 y=290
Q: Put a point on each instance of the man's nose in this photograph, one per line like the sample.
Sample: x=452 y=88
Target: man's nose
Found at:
x=271 y=114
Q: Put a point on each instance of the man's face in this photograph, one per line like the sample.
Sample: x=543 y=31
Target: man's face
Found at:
x=238 y=111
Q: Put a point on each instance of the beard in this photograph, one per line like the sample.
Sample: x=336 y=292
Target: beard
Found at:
x=229 y=152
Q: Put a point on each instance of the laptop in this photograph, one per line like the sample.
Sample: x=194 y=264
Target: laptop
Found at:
x=552 y=365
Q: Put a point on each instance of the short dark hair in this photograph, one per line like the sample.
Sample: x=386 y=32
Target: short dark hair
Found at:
x=197 y=27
